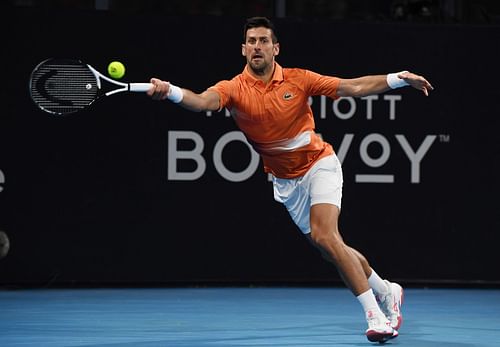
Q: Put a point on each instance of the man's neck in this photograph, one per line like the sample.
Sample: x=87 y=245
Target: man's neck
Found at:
x=265 y=76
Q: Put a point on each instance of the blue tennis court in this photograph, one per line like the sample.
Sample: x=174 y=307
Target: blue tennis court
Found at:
x=261 y=316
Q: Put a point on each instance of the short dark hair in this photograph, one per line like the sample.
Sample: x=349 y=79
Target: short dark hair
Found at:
x=260 y=22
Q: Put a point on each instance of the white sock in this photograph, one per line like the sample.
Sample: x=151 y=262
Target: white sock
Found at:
x=377 y=283
x=369 y=303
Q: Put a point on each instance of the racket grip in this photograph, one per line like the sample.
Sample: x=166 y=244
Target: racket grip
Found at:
x=140 y=87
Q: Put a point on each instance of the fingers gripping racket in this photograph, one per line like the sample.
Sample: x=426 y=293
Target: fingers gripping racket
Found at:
x=63 y=86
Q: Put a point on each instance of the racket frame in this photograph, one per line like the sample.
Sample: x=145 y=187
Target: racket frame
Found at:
x=123 y=86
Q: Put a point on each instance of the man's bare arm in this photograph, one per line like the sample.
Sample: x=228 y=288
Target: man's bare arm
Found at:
x=206 y=101
x=376 y=84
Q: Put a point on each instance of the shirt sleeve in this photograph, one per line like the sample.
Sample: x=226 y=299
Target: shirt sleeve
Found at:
x=317 y=84
x=223 y=88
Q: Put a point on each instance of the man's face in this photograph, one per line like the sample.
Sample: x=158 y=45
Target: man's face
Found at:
x=260 y=50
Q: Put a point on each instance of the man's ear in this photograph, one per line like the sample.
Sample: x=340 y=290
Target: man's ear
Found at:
x=243 y=53
x=276 y=48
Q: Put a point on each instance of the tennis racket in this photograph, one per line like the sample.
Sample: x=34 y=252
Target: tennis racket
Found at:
x=64 y=86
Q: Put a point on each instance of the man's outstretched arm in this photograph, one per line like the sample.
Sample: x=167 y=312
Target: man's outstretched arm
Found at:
x=370 y=85
x=206 y=101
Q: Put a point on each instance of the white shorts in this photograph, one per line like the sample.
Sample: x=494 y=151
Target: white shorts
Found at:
x=321 y=184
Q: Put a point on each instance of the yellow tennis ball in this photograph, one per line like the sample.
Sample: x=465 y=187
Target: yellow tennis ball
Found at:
x=116 y=69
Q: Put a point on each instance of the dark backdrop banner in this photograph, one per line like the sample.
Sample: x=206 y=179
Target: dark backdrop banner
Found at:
x=136 y=191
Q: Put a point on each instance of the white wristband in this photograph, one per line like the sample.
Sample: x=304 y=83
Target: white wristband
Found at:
x=175 y=94
x=395 y=82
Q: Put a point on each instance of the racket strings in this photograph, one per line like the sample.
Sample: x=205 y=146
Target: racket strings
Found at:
x=62 y=88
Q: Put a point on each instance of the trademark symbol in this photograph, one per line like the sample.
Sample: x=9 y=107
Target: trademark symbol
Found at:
x=444 y=138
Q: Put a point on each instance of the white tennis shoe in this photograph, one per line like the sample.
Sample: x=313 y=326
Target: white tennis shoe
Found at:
x=390 y=304
x=379 y=328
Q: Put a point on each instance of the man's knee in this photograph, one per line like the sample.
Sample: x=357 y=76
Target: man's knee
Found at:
x=324 y=232
x=329 y=243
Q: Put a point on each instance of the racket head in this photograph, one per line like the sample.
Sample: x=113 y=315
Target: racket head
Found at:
x=63 y=86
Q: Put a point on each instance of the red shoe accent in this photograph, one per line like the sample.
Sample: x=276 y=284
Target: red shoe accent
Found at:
x=375 y=336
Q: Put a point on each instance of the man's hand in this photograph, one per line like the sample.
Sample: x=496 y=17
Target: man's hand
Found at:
x=417 y=82
x=160 y=89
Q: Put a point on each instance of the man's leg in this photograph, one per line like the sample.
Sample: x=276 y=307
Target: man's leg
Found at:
x=326 y=236
x=389 y=295
x=351 y=265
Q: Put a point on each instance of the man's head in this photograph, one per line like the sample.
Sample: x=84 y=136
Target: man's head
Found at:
x=260 y=22
x=260 y=45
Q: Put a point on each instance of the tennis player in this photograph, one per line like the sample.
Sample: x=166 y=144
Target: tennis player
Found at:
x=269 y=105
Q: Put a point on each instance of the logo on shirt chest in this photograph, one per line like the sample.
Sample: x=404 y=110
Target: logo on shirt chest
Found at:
x=287 y=96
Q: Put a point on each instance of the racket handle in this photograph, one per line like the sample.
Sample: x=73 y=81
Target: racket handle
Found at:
x=140 y=87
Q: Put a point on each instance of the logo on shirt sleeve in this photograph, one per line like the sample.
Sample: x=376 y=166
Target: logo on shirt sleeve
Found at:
x=287 y=96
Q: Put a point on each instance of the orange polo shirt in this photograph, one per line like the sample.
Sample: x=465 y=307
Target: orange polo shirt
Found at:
x=277 y=119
